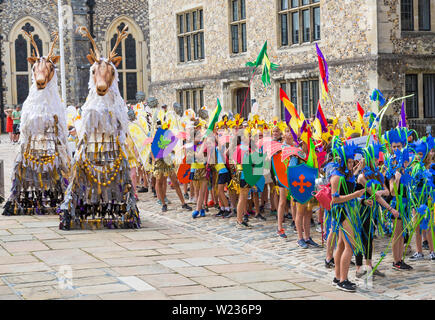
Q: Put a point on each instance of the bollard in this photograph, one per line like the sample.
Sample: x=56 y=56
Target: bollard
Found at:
x=2 y=182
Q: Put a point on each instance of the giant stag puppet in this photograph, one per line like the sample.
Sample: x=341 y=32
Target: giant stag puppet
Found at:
x=100 y=193
x=38 y=180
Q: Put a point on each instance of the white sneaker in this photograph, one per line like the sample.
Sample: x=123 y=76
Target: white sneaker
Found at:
x=417 y=256
x=319 y=229
x=432 y=256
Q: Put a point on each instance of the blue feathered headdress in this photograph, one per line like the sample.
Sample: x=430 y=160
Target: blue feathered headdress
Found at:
x=423 y=145
x=397 y=135
x=345 y=151
x=370 y=154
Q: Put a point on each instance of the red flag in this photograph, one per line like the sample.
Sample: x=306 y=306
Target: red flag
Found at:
x=360 y=110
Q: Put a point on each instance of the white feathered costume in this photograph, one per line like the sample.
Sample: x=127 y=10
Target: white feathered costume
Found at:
x=100 y=194
x=38 y=179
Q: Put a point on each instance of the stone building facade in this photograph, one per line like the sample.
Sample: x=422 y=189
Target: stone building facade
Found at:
x=101 y=17
x=384 y=44
x=363 y=41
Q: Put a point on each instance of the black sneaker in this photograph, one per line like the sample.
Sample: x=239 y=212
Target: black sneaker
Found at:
x=401 y=266
x=243 y=225
x=329 y=264
x=229 y=214
x=246 y=218
x=335 y=282
x=142 y=190
x=154 y=193
x=261 y=209
x=186 y=206
x=220 y=213
x=311 y=243
x=260 y=217
x=346 y=285
x=164 y=208
x=186 y=196
x=425 y=245
x=406 y=266
x=312 y=223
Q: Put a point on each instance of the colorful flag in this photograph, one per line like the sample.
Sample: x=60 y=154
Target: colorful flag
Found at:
x=360 y=111
x=324 y=72
x=163 y=144
x=263 y=59
x=378 y=96
x=288 y=104
x=402 y=121
x=214 y=118
x=322 y=119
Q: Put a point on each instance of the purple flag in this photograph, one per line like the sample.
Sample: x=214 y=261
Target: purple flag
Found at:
x=402 y=122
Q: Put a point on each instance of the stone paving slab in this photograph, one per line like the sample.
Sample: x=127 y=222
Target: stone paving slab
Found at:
x=273 y=286
x=103 y=289
x=143 y=295
x=23 y=268
x=185 y=290
x=247 y=294
x=141 y=270
x=24 y=246
x=205 y=261
x=167 y=280
x=214 y=281
x=65 y=257
x=17 y=259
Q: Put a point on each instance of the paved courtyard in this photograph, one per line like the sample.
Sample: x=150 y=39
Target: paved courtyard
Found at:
x=176 y=257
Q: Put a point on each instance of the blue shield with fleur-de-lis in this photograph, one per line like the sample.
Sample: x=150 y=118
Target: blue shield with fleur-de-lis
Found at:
x=302 y=180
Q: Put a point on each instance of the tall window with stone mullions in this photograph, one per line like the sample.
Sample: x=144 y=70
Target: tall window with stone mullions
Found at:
x=191 y=98
x=411 y=87
x=238 y=26
x=299 y=21
x=191 y=35
x=304 y=91
x=407 y=10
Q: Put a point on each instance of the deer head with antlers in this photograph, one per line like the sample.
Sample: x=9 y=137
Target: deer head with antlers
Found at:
x=103 y=70
x=42 y=67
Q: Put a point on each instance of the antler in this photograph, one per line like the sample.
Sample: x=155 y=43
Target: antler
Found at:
x=50 y=53
x=30 y=36
x=85 y=34
x=121 y=36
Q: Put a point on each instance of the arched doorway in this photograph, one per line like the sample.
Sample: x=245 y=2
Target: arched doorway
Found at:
x=242 y=99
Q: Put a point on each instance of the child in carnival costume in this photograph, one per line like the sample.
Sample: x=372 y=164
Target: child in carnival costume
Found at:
x=344 y=210
x=372 y=180
x=421 y=192
x=398 y=175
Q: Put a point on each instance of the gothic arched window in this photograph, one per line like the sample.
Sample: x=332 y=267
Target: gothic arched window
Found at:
x=130 y=69
x=127 y=70
x=21 y=49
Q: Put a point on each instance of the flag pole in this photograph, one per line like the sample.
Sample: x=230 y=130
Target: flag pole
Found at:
x=62 y=51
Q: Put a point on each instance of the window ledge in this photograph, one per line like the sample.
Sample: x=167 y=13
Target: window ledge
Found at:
x=416 y=34
x=296 y=46
x=190 y=63
x=237 y=55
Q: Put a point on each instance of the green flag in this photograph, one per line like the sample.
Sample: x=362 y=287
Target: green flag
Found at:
x=263 y=59
x=214 y=118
